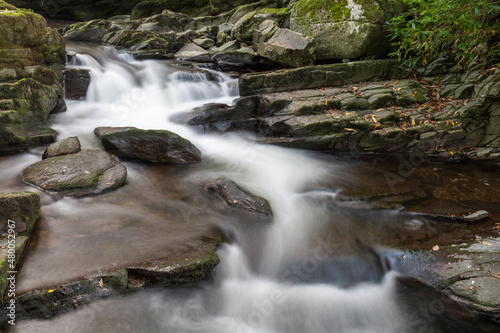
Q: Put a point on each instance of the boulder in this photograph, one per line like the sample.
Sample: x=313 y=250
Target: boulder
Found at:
x=84 y=173
x=168 y=21
x=205 y=43
x=243 y=29
x=157 y=146
x=20 y=207
x=92 y=31
x=192 y=52
x=345 y=29
x=283 y=46
x=66 y=146
x=76 y=83
x=238 y=198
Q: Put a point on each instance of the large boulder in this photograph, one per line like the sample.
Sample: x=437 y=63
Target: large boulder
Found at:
x=156 y=146
x=286 y=47
x=84 y=173
x=345 y=29
x=76 y=83
x=21 y=207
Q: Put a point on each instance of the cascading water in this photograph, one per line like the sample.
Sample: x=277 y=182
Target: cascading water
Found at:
x=294 y=278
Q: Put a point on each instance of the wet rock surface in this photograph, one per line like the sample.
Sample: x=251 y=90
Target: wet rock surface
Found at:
x=76 y=83
x=238 y=198
x=84 y=173
x=156 y=146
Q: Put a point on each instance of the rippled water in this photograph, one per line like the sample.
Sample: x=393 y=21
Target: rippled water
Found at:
x=320 y=266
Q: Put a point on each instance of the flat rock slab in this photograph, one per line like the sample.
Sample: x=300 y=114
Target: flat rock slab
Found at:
x=156 y=146
x=85 y=173
x=66 y=146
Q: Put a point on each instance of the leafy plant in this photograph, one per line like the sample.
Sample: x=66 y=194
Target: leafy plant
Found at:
x=470 y=29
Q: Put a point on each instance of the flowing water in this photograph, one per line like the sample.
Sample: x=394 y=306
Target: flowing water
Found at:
x=320 y=266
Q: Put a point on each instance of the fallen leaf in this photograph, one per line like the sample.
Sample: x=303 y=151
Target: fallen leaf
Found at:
x=435 y=248
x=235 y=201
x=86 y=172
x=101 y=283
x=470 y=288
x=413 y=122
x=478 y=237
x=374 y=119
x=51 y=291
x=349 y=129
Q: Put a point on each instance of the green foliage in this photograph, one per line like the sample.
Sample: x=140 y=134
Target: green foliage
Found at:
x=470 y=29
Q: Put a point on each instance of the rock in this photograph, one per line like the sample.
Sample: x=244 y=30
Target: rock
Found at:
x=283 y=46
x=192 y=52
x=29 y=91
x=66 y=146
x=168 y=21
x=243 y=59
x=320 y=76
x=76 y=83
x=21 y=207
x=345 y=28
x=84 y=173
x=226 y=47
x=243 y=29
x=92 y=31
x=157 y=146
x=471 y=218
x=205 y=43
x=9 y=262
x=238 y=198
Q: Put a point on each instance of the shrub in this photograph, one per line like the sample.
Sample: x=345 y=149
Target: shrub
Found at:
x=470 y=29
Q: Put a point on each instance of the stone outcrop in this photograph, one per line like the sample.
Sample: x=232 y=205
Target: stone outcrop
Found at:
x=156 y=146
x=30 y=89
x=76 y=83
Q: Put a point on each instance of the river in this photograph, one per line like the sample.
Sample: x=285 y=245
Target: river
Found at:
x=322 y=265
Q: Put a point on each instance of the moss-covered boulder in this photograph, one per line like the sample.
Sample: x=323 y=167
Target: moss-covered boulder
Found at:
x=283 y=46
x=156 y=146
x=345 y=29
x=66 y=146
x=84 y=173
x=21 y=207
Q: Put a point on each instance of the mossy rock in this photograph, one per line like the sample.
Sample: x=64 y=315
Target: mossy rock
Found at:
x=243 y=29
x=84 y=173
x=20 y=207
x=345 y=29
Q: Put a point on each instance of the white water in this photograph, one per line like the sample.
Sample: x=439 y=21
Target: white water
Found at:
x=145 y=94
x=270 y=296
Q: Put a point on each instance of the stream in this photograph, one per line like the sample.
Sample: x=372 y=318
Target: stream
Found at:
x=321 y=265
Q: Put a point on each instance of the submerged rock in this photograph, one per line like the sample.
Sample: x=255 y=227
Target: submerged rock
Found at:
x=157 y=146
x=84 y=173
x=66 y=146
x=238 y=198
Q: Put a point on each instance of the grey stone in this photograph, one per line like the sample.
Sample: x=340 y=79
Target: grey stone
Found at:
x=87 y=172
x=192 y=52
x=66 y=146
x=283 y=46
x=204 y=42
x=156 y=146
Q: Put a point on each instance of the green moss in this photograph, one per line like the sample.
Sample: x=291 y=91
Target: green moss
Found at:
x=317 y=11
